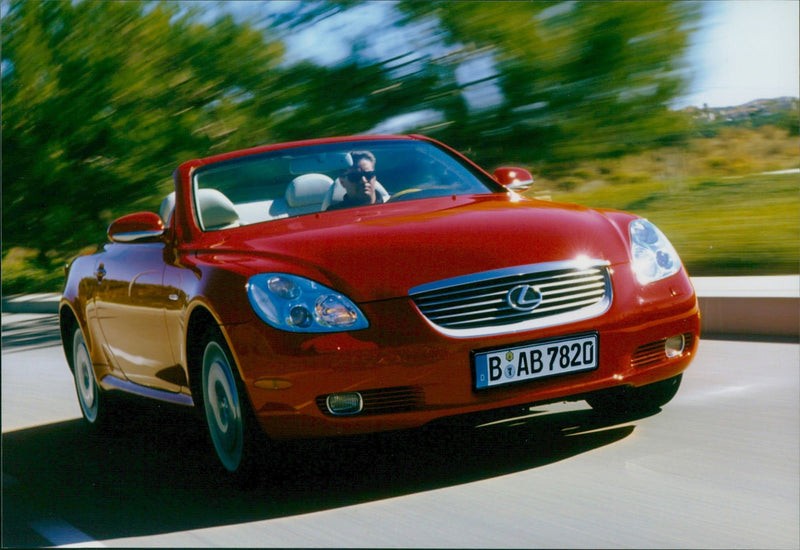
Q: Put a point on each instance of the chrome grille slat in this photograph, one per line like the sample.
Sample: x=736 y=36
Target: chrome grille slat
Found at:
x=569 y=286
x=515 y=315
x=461 y=306
x=571 y=282
x=501 y=287
x=478 y=304
x=573 y=297
x=595 y=289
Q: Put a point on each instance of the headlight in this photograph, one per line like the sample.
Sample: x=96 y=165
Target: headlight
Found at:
x=654 y=258
x=297 y=304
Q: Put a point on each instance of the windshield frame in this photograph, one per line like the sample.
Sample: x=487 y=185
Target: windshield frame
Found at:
x=242 y=173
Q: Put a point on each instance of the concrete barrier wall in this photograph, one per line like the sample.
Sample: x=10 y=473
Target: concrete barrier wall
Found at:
x=750 y=316
x=749 y=306
x=729 y=306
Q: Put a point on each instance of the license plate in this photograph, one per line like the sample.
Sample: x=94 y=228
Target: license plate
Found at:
x=534 y=360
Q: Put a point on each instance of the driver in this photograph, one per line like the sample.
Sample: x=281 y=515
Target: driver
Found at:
x=359 y=182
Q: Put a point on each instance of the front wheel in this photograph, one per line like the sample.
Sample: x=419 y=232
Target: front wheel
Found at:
x=231 y=424
x=643 y=400
x=93 y=401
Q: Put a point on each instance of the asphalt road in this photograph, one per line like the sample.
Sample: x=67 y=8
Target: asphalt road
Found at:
x=719 y=467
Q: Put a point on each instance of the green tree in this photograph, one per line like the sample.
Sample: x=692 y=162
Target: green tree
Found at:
x=576 y=79
x=101 y=101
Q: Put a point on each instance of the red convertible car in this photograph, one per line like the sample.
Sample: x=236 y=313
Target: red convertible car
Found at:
x=353 y=285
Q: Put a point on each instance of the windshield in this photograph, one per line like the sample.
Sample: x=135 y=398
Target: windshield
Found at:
x=305 y=180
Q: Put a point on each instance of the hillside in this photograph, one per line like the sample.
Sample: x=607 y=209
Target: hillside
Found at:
x=754 y=113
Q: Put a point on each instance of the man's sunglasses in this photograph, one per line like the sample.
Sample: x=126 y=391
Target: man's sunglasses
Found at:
x=355 y=177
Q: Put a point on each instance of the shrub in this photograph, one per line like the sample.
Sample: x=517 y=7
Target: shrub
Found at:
x=26 y=270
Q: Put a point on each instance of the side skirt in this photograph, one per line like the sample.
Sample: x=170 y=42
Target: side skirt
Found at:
x=113 y=383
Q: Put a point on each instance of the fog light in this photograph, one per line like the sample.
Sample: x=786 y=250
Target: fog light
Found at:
x=345 y=403
x=674 y=345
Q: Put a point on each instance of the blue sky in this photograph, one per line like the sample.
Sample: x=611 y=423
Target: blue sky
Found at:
x=746 y=50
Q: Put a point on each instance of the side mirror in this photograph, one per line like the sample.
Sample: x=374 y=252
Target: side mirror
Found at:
x=136 y=227
x=513 y=178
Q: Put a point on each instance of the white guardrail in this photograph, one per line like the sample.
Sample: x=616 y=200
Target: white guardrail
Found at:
x=730 y=306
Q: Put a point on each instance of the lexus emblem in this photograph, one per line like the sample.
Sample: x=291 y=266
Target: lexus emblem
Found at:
x=524 y=297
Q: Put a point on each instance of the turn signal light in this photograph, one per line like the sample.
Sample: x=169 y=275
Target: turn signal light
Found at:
x=272 y=384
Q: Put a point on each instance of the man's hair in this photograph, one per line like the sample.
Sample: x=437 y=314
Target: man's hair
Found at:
x=358 y=155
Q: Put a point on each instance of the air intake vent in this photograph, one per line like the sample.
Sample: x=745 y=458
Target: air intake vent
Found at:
x=654 y=352
x=385 y=400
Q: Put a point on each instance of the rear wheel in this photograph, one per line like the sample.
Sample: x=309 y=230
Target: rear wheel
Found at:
x=93 y=401
x=642 y=400
x=231 y=424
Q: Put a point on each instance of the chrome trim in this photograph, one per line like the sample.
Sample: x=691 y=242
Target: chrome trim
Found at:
x=136 y=236
x=520 y=301
x=507 y=272
x=161 y=395
x=593 y=308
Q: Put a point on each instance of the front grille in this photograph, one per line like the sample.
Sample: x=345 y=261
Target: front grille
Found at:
x=479 y=304
x=385 y=400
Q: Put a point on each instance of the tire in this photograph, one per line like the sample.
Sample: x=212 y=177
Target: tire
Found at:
x=632 y=401
x=231 y=424
x=93 y=401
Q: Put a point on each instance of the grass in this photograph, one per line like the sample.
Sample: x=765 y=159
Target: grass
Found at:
x=711 y=197
x=744 y=225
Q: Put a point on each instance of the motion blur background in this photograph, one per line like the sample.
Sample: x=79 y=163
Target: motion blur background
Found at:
x=683 y=112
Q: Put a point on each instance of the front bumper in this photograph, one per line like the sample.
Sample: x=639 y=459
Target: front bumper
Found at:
x=410 y=375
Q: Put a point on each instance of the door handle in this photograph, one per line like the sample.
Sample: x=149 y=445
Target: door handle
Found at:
x=100 y=273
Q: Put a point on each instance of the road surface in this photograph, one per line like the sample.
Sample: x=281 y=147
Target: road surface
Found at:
x=719 y=467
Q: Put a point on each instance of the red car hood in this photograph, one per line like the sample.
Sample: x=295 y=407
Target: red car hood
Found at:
x=381 y=252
